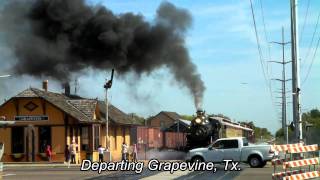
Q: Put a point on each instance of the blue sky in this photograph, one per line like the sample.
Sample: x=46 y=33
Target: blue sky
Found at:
x=222 y=44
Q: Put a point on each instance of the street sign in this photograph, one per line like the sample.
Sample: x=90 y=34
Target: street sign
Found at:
x=31 y=118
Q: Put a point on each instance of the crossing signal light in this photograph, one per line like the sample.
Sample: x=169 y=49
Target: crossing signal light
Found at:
x=292 y=126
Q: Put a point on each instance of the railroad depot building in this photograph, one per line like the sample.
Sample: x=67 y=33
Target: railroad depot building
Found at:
x=163 y=119
x=47 y=118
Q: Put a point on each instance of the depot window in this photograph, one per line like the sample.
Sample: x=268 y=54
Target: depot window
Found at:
x=96 y=137
x=85 y=138
x=44 y=138
x=17 y=138
x=115 y=137
x=162 y=125
x=124 y=134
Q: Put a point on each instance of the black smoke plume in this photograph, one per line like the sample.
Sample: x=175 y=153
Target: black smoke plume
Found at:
x=56 y=38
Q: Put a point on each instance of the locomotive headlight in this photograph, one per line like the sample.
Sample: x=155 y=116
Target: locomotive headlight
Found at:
x=198 y=120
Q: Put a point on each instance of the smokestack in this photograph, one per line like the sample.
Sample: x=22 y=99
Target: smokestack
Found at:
x=67 y=89
x=45 y=85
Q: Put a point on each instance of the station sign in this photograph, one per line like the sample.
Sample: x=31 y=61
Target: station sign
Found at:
x=31 y=118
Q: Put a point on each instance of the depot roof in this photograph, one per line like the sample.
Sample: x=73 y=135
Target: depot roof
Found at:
x=78 y=107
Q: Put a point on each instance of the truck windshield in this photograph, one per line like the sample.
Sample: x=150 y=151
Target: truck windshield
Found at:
x=245 y=142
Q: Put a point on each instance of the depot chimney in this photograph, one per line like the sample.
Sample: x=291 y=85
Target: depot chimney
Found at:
x=45 y=85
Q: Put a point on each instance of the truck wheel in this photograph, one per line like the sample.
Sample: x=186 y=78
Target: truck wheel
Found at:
x=263 y=164
x=255 y=161
x=197 y=159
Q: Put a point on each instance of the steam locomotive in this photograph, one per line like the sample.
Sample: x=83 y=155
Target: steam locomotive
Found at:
x=206 y=129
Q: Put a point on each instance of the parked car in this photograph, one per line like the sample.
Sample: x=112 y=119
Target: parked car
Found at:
x=236 y=149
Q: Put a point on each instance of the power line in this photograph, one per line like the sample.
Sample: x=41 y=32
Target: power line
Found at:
x=258 y=42
x=265 y=33
x=304 y=20
x=313 y=58
x=260 y=53
x=311 y=42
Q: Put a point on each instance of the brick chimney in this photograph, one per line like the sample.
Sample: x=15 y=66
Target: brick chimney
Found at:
x=45 y=85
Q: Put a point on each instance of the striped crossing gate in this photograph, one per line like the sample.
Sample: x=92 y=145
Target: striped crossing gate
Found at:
x=306 y=157
x=285 y=147
x=306 y=175
x=277 y=160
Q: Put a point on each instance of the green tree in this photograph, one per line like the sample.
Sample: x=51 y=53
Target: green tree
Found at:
x=262 y=133
x=136 y=118
x=280 y=135
x=259 y=133
x=187 y=117
x=311 y=126
x=311 y=118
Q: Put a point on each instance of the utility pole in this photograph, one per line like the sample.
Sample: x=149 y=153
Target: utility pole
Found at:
x=295 y=72
x=76 y=86
x=283 y=88
x=107 y=86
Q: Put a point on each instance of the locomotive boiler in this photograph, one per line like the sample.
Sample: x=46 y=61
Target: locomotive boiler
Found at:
x=202 y=131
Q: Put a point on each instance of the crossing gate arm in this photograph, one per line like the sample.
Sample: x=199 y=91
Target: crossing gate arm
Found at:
x=281 y=161
x=306 y=175
x=300 y=163
x=285 y=147
x=303 y=149
x=280 y=175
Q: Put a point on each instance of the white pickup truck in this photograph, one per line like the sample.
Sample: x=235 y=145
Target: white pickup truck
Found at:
x=236 y=149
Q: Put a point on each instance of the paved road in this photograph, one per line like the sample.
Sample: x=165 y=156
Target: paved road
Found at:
x=246 y=173
x=46 y=173
x=56 y=173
